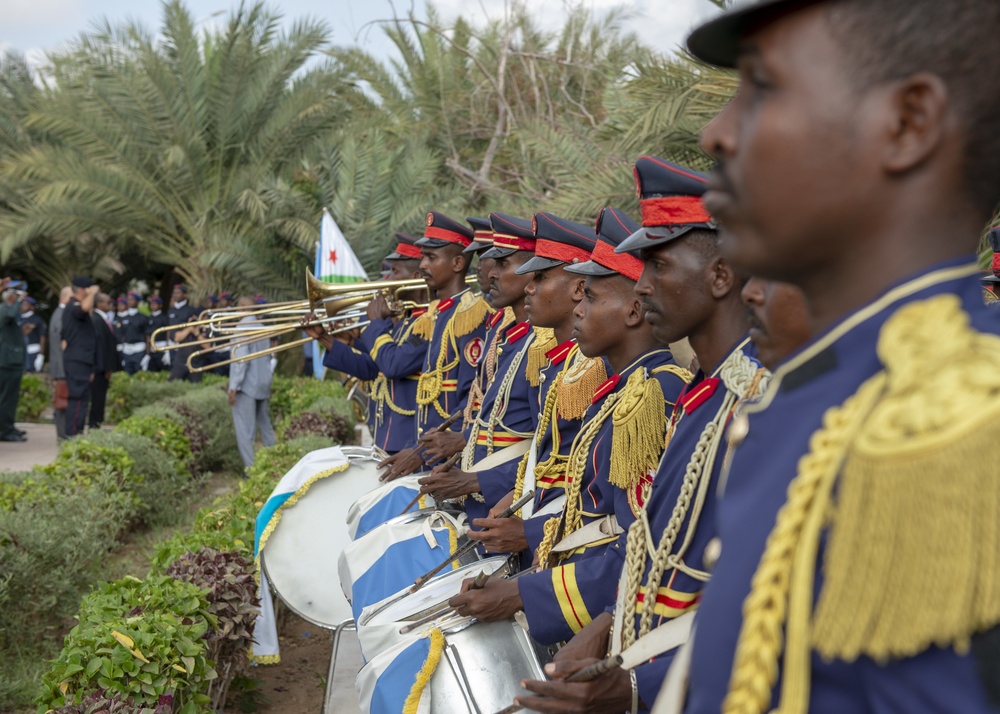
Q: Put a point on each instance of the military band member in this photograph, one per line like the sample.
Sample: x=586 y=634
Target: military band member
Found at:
x=181 y=311
x=505 y=422
x=482 y=241
x=34 y=329
x=157 y=319
x=387 y=354
x=615 y=452
x=131 y=327
x=689 y=290
x=550 y=298
x=858 y=520
x=455 y=325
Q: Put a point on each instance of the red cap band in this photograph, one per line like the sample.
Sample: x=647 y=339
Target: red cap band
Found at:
x=625 y=264
x=560 y=251
x=996 y=263
x=443 y=234
x=502 y=240
x=673 y=210
x=408 y=251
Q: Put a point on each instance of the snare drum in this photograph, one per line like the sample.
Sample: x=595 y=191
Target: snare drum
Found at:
x=385 y=503
x=379 y=624
x=389 y=558
x=298 y=557
x=479 y=670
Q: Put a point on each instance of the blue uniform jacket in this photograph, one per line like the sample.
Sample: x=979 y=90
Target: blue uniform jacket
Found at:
x=508 y=415
x=458 y=356
x=935 y=681
x=562 y=601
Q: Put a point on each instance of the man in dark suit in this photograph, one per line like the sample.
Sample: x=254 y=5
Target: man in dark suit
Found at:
x=182 y=312
x=106 y=358
x=79 y=350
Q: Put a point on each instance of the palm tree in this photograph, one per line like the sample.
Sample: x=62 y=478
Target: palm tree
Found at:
x=180 y=146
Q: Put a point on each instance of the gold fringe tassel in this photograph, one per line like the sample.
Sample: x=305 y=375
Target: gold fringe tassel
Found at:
x=426 y=672
x=639 y=421
x=545 y=340
x=423 y=326
x=549 y=531
x=578 y=386
x=470 y=314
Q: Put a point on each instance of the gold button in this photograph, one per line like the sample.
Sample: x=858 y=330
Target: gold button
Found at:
x=712 y=553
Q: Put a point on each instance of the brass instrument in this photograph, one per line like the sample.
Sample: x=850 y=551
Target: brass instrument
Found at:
x=335 y=299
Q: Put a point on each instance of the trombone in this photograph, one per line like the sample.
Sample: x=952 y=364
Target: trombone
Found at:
x=336 y=300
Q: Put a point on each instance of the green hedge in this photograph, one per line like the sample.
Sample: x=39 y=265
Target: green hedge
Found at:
x=35 y=396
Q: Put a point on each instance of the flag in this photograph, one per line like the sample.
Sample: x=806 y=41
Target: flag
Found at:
x=335 y=263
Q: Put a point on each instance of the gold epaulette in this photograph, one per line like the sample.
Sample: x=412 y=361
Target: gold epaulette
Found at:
x=470 y=314
x=423 y=326
x=639 y=423
x=576 y=390
x=679 y=372
x=901 y=476
x=545 y=340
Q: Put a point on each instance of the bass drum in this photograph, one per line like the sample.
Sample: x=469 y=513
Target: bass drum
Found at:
x=299 y=557
x=479 y=671
x=385 y=503
x=390 y=557
x=379 y=624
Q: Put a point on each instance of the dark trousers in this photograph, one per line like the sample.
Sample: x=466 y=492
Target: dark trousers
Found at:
x=78 y=402
x=178 y=366
x=155 y=362
x=10 y=391
x=98 y=398
x=132 y=363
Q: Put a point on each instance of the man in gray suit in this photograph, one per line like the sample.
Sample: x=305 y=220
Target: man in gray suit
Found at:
x=249 y=392
x=56 y=370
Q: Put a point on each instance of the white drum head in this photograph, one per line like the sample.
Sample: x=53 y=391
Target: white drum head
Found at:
x=300 y=556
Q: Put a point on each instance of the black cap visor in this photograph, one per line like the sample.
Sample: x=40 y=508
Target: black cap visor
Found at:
x=538 y=263
x=433 y=243
x=496 y=252
x=591 y=268
x=475 y=246
x=651 y=236
x=717 y=41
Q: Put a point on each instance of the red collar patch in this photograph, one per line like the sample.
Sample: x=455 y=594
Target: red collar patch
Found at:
x=516 y=332
x=495 y=318
x=606 y=389
x=445 y=304
x=699 y=394
x=557 y=354
x=417 y=312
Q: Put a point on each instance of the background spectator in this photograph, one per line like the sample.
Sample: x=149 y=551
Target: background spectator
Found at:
x=11 y=360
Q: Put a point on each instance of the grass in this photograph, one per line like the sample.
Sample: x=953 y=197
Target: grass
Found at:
x=23 y=663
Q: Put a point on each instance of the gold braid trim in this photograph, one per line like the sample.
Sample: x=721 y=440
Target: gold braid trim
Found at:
x=429 y=384
x=423 y=326
x=741 y=378
x=545 y=340
x=579 y=385
x=486 y=371
x=639 y=423
x=549 y=531
x=470 y=314
x=381 y=396
x=410 y=706
x=913 y=500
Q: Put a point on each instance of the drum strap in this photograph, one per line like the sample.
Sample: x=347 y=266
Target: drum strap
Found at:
x=660 y=640
x=498 y=458
x=601 y=529
x=673 y=694
x=529 y=477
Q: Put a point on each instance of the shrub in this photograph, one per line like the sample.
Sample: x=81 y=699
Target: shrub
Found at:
x=35 y=396
x=139 y=639
x=232 y=599
x=168 y=435
x=328 y=424
x=127 y=394
x=294 y=395
x=50 y=553
x=165 y=481
x=209 y=406
x=104 y=703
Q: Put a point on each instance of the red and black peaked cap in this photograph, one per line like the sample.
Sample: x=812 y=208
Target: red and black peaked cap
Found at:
x=717 y=41
x=482 y=235
x=670 y=201
x=406 y=248
x=613 y=228
x=558 y=242
x=510 y=234
x=442 y=230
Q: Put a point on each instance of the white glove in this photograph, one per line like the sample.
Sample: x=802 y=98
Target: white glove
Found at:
x=166 y=359
x=144 y=363
x=274 y=362
x=39 y=362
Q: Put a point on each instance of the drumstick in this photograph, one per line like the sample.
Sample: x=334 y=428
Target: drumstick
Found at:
x=478 y=584
x=587 y=674
x=443 y=426
x=510 y=511
x=447 y=465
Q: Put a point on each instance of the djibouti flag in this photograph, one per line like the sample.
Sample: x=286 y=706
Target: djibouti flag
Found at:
x=335 y=263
